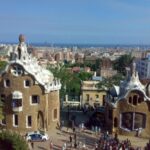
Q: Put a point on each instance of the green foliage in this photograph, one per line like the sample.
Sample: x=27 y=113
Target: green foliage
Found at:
x=71 y=82
x=12 y=141
x=94 y=67
x=84 y=76
x=107 y=83
x=2 y=65
x=1 y=110
x=122 y=62
x=98 y=63
x=1 y=114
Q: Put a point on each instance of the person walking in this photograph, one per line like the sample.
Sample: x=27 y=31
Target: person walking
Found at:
x=32 y=145
x=51 y=145
x=70 y=138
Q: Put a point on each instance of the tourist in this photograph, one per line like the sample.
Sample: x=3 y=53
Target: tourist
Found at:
x=32 y=145
x=75 y=144
x=96 y=146
x=73 y=129
x=75 y=136
x=70 y=138
x=51 y=145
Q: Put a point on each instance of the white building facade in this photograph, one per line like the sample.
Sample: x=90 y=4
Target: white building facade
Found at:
x=143 y=68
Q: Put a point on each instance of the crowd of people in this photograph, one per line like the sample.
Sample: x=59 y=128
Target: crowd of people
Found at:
x=105 y=141
x=108 y=142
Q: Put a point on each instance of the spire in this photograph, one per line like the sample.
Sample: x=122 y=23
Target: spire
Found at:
x=21 y=38
x=133 y=69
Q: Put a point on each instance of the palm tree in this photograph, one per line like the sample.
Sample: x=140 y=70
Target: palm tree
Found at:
x=2 y=65
x=107 y=83
x=122 y=62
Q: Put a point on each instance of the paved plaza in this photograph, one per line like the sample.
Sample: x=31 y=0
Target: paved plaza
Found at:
x=84 y=138
x=60 y=138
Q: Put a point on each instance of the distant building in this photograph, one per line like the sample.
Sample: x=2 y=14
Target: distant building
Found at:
x=90 y=59
x=107 y=73
x=106 y=70
x=29 y=92
x=137 y=54
x=91 y=95
x=128 y=107
x=79 y=57
x=143 y=68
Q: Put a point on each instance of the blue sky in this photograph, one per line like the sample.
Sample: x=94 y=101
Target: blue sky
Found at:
x=76 y=21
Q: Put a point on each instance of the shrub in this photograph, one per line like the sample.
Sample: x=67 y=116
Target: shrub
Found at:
x=13 y=141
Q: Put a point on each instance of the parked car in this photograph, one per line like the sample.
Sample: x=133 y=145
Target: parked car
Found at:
x=37 y=136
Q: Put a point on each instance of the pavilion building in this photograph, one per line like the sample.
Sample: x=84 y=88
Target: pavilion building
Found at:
x=30 y=93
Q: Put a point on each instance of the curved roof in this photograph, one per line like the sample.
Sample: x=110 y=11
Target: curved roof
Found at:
x=131 y=84
x=115 y=90
x=31 y=66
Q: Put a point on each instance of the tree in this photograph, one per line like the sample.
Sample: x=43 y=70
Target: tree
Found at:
x=98 y=63
x=12 y=141
x=122 y=62
x=107 y=83
x=64 y=75
x=2 y=65
x=73 y=85
x=71 y=82
x=84 y=75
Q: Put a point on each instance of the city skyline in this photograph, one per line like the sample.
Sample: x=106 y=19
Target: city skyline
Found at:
x=80 y=21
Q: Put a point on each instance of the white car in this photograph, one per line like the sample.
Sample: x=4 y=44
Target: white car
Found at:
x=37 y=136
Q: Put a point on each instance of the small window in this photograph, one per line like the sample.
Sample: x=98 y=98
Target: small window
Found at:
x=130 y=99
x=35 y=99
x=3 y=121
x=17 y=70
x=29 y=121
x=7 y=83
x=97 y=96
x=104 y=100
x=16 y=103
x=115 y=122
x=55 y=113
x=15 y=120
x=104 y=97
x=135 y=100
x=87 y=97
x=110 y=114
x=27 y=83
x=2 y=98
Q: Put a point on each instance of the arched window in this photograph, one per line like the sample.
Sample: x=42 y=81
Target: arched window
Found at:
x=135 y=100
x=133 y=120
x=130 y=99
x=115 y=122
